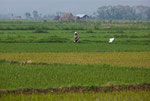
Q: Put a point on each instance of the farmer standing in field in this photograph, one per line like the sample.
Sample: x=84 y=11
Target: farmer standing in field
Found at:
x=76 y=37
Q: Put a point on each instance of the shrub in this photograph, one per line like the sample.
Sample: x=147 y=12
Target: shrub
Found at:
x=40 y=30
x=3 y=61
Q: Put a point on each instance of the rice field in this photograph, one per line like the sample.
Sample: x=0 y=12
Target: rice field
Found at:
x=134 y=59
x=41 y=55
x=43 y=76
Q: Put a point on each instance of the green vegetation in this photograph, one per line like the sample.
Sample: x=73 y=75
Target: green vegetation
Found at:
x=21 y=76
x=40 y=30
x=39 y=36
x=71 y=47
x=42 y=55
x=108 y=96
x=135 y=59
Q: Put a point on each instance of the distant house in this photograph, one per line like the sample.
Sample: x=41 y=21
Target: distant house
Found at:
x=68 y=17
x=82 y=17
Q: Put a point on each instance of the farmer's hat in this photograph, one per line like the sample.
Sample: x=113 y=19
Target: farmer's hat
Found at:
x=75 y=33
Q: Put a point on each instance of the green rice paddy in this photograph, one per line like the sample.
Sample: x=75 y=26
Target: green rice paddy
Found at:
x=42 y=55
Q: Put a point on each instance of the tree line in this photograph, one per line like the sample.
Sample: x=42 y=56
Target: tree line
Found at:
x=120 y=12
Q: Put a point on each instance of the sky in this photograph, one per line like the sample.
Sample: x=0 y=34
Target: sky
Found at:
x=19 y=7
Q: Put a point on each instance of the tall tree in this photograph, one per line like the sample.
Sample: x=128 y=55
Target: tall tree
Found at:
x=148 y=13
x=35 y=14
x=28 y=15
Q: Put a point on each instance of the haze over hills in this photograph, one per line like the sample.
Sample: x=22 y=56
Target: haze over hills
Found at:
x=19 y=7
